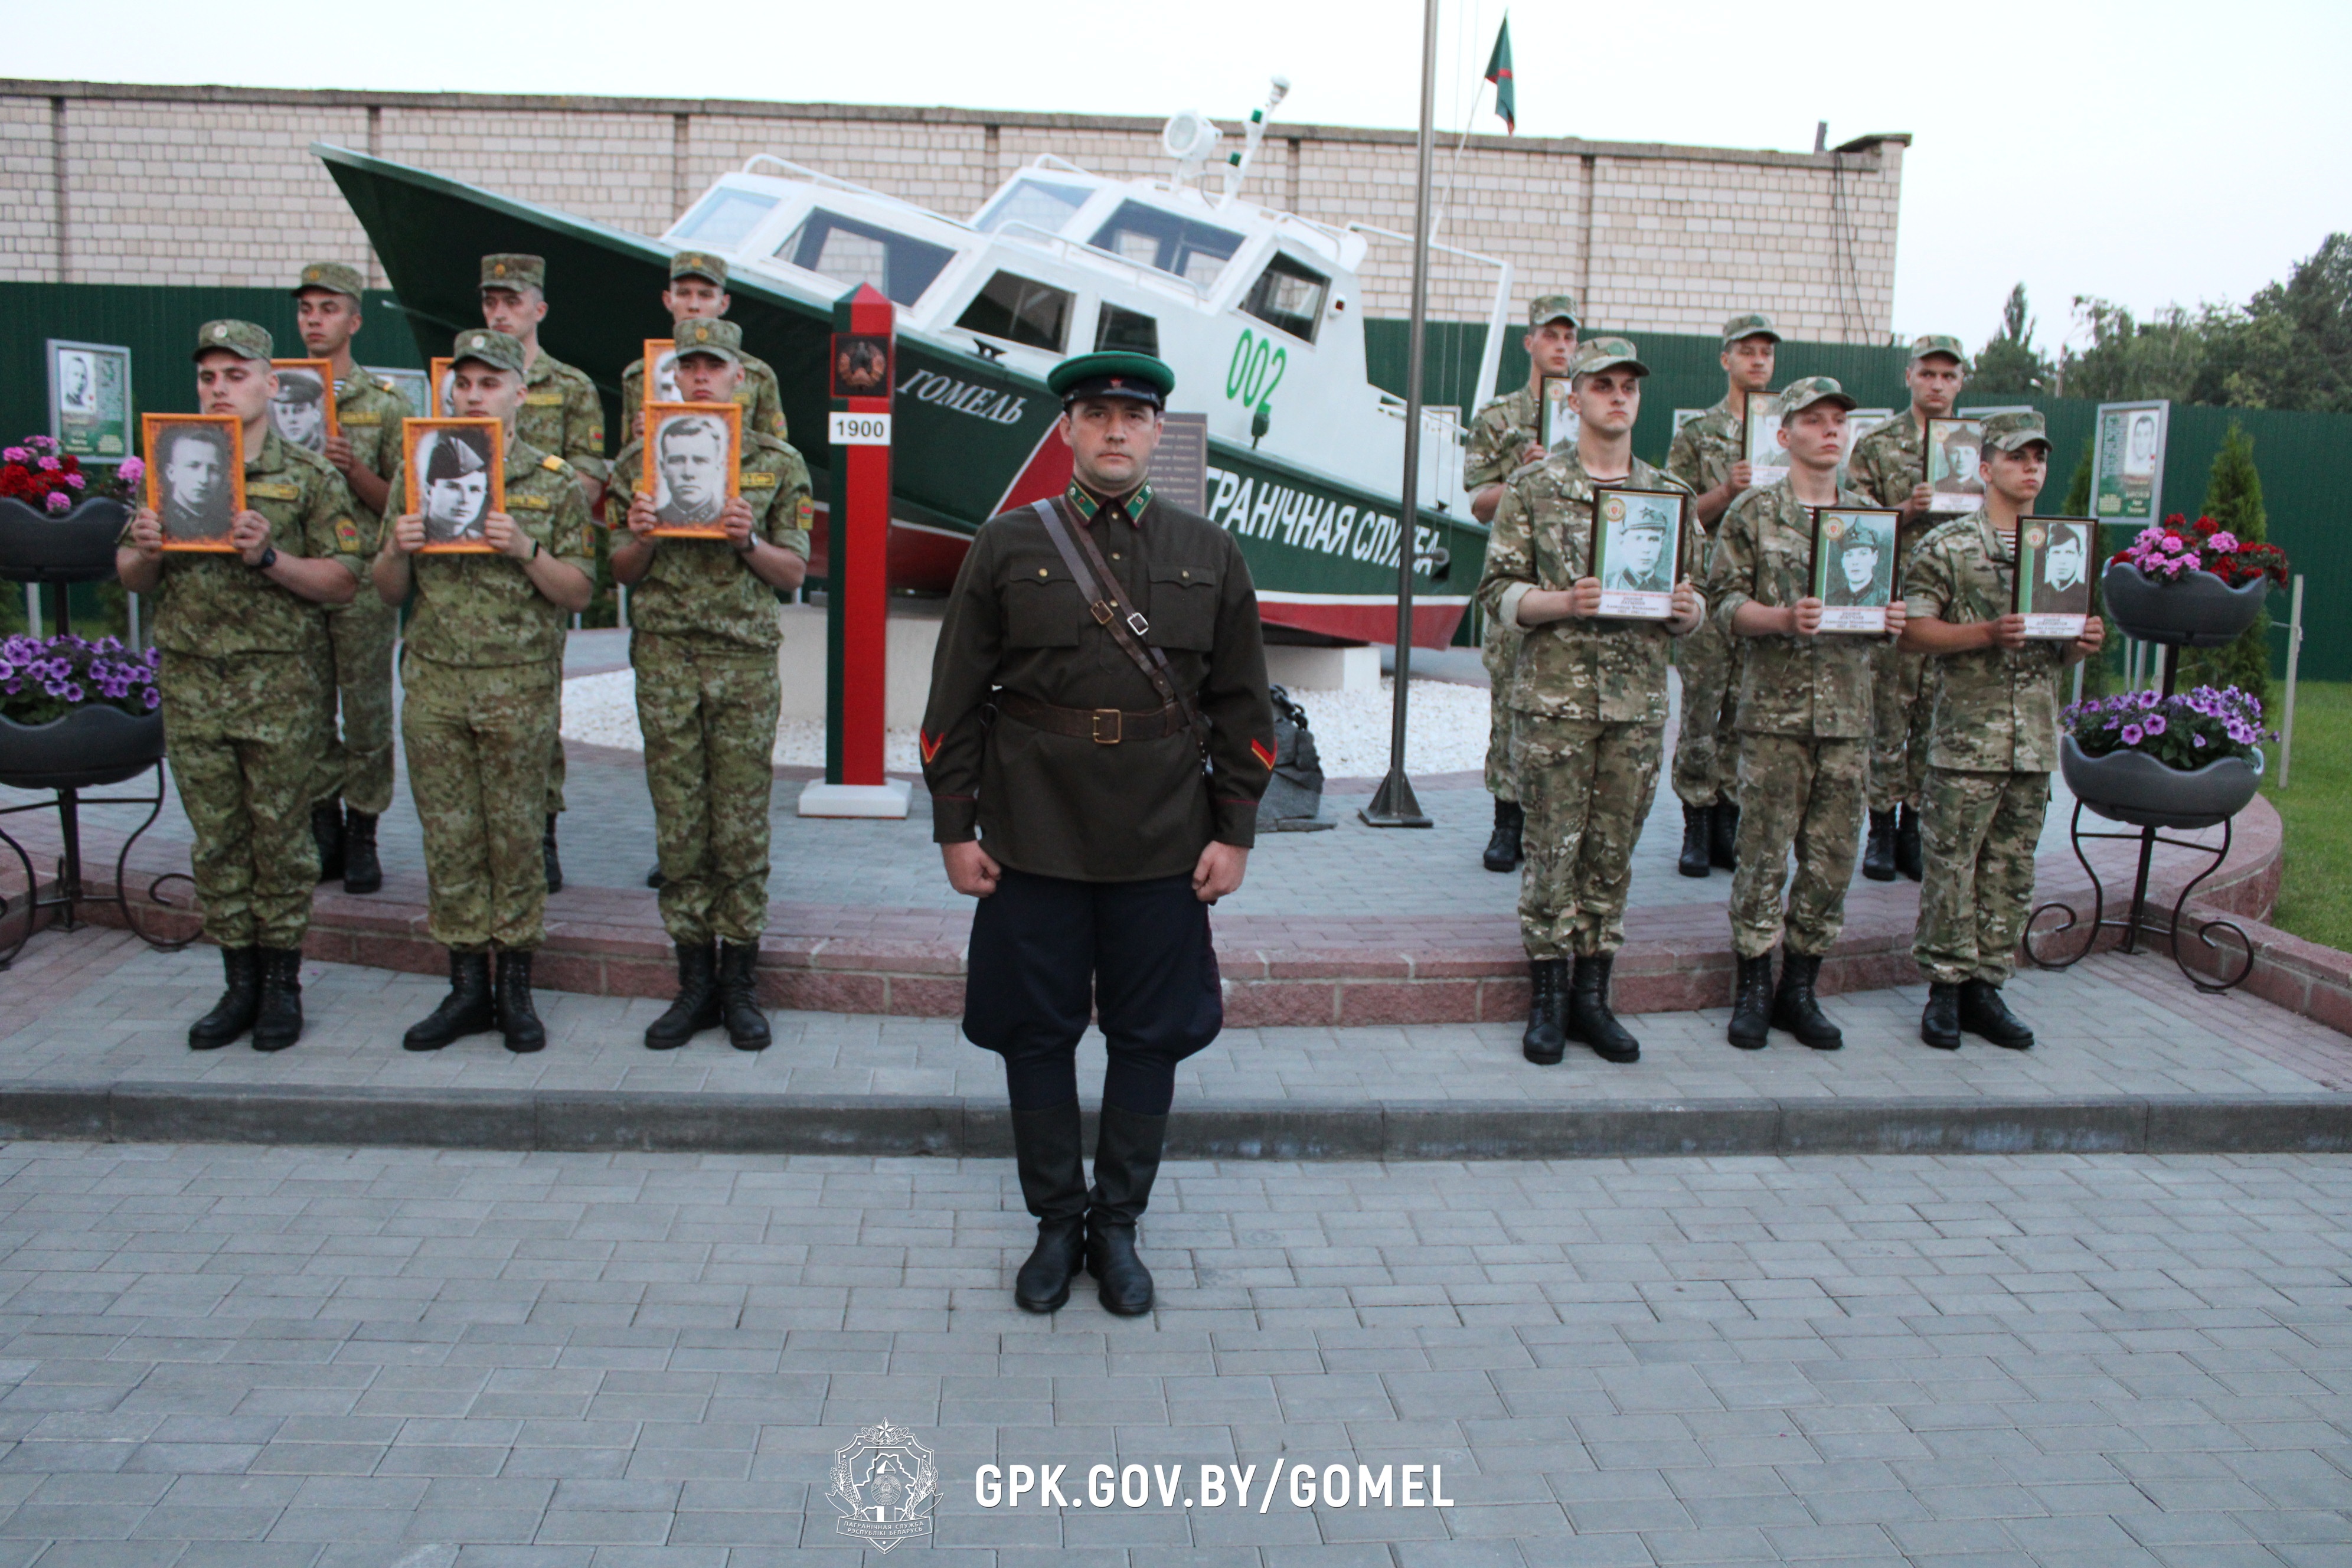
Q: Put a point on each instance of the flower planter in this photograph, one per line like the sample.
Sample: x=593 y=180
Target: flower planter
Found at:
x=2134 y=788
x=75 y=547
x=2195 y=609
x=88 y=747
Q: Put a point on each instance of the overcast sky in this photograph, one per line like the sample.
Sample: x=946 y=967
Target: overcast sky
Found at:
x=2157 y=152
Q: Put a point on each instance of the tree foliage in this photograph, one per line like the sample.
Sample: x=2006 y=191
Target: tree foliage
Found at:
x=2129 y=359
x=2234 y=497
x=2291 y=347
x=2008 y=366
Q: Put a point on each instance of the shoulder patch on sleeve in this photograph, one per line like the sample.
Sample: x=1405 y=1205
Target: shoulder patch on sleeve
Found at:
x=347 y=534
x=759 y=481
x=1262 y=751
x=930 y=744
x=806 y=508
x=554 y=464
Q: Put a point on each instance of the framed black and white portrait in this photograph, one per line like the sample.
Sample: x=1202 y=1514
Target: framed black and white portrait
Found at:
x=195 y=477
x=302 y=410
x=2055 y=570
x=1853 y=567
x=456 y=473
x=693 y=464
x=1637 y=552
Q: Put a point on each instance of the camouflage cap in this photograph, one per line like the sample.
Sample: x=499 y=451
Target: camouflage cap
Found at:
x=1545 y=309
x=494 y=349
x=1939 y=343
x=699 y=264
x=1605 y=353
x=1753 y=325
x=2008 y=432
x=242 y=339
x=1800 y=396
x=719 y=339
x=507 y=270
x=332 y=276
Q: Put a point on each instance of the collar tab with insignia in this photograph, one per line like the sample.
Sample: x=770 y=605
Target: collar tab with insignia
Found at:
x=1135 y=504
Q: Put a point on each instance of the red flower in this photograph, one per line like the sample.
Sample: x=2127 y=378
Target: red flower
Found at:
x=2207 y=525
x=72 y=464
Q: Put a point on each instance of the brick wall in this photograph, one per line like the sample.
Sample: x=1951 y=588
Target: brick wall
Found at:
x=1653 y=239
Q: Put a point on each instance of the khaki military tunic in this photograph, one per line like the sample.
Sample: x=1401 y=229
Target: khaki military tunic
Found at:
x=562 y=415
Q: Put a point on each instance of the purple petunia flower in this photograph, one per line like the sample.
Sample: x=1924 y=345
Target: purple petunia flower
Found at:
x=2198 y=742
x=155 y=698
x=2155 y=725
x=2132 y=734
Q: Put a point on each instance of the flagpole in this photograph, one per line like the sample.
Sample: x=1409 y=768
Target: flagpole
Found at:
x=1393 y=805
x=1453 y=169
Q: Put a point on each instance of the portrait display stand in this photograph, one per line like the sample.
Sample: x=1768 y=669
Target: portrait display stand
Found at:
x=2137 y=922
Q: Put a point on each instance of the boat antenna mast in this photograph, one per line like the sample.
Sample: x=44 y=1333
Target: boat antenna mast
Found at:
x=1237 y=164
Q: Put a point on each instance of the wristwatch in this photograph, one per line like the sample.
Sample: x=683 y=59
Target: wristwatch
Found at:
x=269 y=558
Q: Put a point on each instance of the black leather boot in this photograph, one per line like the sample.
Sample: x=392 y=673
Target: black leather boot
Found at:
x=696 y=1007
x=1878 y=847
x=654 y=877
x=1048 y=1148
x=1127 y=1160
x=468 y=1009
x=278 y=1021
x=1503 y=846
x=1546 y=1041
x=1939 y=1026
x=1752 y=1003
x=1984 y=1013
x=363 y=872
x=1723 y=836
x=233 y=1014
x=1795 y=1008
x=518 y=1019
x=1906 y=843
x=1698 y=826
x=1589 y=1017
x=739 y=997
x=327 y=828
x=546 y=853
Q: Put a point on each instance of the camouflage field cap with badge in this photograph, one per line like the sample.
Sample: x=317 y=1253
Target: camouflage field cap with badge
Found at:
x=1605 y=353
x=718 y=339
x=1939 y=343
x=1546 y=308
x=1112 y=374
x=2008 y=432
x=486 y=346
x=332 y=276
x=1800 y=396
x=242 y=339
x=1750 y=324
x=510 y=270
x=711 y=269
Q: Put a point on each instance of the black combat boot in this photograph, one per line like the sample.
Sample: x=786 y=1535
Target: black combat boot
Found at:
x=1698 y=827
x=1546 y=1041
x=546 y=853
x=1503 y=846
x=1939 y=1026
x=1126 y=1158
x=696 y=1006
x=233 y=1014
x=1752 y=1003
x=468 y=1009
x=327 y=828
x=1796 y=1009
x=278 y=1023
x=1048 y=1148
x=363 y=872
x=654 y=877
x=1878 y=847
x=1906 y=843
x=518 y=1019
x=1723 y=836
x=1589 y=1017
x=1984 y=1013
x=739 y=997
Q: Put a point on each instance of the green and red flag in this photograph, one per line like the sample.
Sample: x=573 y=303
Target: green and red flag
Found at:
x=1499 y=71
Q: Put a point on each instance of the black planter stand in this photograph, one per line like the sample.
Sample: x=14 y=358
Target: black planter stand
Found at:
x=2137 y=921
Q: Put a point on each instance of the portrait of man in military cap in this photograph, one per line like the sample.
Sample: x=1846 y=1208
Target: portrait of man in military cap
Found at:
x=1853 y=567
x=196 y=478
x=455 y=470
x=1955 y=464
x=2053 y=576
x=1637 y=552
x=697 y=462
x=302 y=411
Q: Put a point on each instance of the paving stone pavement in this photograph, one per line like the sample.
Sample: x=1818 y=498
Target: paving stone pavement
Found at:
x=229 y=1357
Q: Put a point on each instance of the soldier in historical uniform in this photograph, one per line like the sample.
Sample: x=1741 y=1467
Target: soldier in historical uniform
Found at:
x=562 y=416
x=1990 y=748
x=1709 y=457
x=697 y=292
x=352 y=785
x=1804 y=726
x=479 y=672
x=1589 y=708
x=1889 y=464
x=1096 y=740
x=243 y=644
x=1505 y=436
x=703 y=640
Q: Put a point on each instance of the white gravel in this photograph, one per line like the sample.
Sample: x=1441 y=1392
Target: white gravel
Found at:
x=1447 y=732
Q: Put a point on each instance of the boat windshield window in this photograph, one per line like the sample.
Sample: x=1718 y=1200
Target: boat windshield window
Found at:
x=1040 y=203
x=720 y=220
x=1196 y=252
x=1022 y=312
x=849 y=251
x=1289 y=295
x=1129 y=330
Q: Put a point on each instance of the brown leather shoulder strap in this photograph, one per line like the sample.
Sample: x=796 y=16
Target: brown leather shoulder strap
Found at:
x=1127 y=630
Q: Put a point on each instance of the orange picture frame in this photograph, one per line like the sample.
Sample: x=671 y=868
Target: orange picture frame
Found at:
x=654 y=348
x=436 y=382
x=189 y=521
x=650 y=476
x=458 y=530
x=324 y=372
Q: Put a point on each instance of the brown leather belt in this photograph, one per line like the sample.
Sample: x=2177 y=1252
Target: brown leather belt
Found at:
x=1103 y=726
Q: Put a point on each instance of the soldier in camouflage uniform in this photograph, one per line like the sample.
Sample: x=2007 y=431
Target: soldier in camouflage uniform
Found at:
x=1991 y=747
x=1804 y=725
x=480 y=669
x=353 y=782
x=1890 y=466
x=1708 y=457
x=703 y=640
x=697 y=291
x=1505 y=435
x=562 y=416
x=243 y=642
x=1589 y=708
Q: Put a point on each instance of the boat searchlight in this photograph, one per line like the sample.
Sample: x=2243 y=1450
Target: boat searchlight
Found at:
x=1192 y=137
